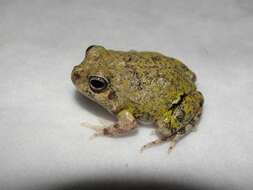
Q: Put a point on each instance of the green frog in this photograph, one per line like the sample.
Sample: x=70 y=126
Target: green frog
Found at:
x=140 y=86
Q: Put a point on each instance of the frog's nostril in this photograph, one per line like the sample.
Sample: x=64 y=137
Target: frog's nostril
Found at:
x=75 y=76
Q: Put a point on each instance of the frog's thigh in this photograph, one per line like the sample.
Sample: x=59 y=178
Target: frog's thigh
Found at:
x=187 y=114
x=125 y=124
x=190 y=109
x=182 y=119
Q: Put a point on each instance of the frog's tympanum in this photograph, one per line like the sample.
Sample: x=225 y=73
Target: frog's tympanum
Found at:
x=146 y=86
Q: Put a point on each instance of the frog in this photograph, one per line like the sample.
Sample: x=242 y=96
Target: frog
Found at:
x=140 y=86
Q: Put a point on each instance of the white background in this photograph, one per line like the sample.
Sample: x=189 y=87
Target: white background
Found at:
x=42 y=145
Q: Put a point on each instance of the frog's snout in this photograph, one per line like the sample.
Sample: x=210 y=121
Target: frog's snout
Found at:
x=76 y=74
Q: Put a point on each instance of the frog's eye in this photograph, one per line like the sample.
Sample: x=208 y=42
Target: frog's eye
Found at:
x=97 y=84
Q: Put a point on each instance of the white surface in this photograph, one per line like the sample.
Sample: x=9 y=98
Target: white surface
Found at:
x=41 y=142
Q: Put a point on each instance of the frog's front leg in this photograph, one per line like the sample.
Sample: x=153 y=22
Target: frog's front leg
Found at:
x=179 y=121
x=126 y=123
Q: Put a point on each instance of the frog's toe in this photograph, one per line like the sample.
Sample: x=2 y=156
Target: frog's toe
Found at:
x=150 y=144
x=99 y=132
x=172 y=145
x=98 y=129
x=91 y=126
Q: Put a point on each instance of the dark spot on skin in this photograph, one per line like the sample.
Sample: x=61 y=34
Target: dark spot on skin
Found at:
x=112 y=95
x=127 y=59
x=116 y=125
x=105 y=131
x=173 y=130
x=181 y=131
x=156 y=58
x=76 y=76
x=201 y=103
x=194 y=77
x=163 y=138
x=199 y=114
x=136 y=82
x=89 y=48
x=174 y=106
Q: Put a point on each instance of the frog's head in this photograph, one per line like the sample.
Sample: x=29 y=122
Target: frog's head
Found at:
x=93 y=77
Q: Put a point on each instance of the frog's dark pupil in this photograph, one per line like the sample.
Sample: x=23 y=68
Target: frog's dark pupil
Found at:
x=97 y=84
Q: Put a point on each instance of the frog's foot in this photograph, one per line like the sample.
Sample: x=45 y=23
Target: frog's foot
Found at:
x=126 y=123
x=98 y=129
x=88 y=125
x=191 y=127
x=174 y=141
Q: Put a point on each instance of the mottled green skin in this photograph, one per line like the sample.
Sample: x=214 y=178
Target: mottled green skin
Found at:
x=149 y=85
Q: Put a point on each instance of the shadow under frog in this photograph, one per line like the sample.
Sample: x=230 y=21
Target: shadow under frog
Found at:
x=93 y=107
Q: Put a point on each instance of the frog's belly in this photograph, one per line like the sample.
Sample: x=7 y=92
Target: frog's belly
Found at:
x=145 y=119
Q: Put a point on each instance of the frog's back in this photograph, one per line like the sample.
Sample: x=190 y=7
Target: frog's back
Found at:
x=169 y=63
x=155 y=62
x=156 y=81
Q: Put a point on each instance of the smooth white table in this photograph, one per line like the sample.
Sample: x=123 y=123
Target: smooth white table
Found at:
x=42 y=145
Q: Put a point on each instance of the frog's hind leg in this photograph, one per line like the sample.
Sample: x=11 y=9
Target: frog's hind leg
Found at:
x=192 y=109
x=182 y=133
x=183 y=120
x=174 y=138
x=150 y=144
